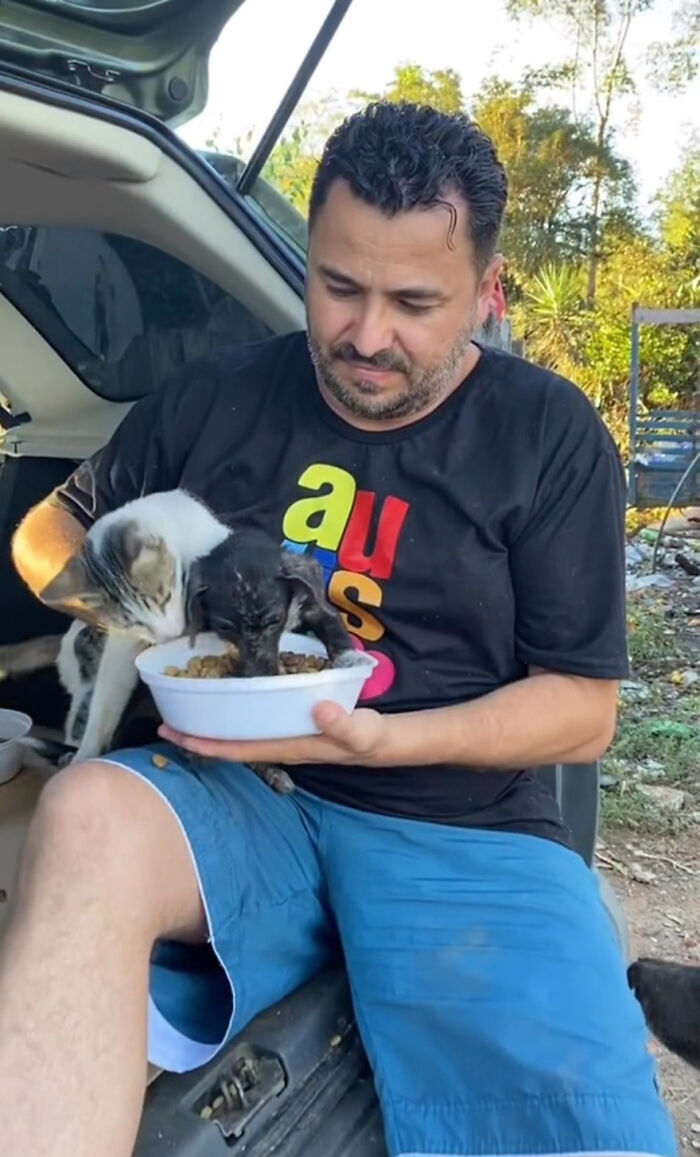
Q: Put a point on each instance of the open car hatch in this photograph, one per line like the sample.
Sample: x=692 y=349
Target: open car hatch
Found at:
x=150 y=54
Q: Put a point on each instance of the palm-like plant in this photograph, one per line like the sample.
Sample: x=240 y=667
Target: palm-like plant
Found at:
x=554 y=315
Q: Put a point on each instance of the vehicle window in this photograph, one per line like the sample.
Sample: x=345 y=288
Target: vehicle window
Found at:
x=121 y=313
x=242 y=100
x=265 y=198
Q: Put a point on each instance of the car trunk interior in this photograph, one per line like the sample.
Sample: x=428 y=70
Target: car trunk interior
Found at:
x=61 y=167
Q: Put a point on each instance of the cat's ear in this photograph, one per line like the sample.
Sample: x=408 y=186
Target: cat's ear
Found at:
x=146 y=558
x=71 y=585
x=303 y=573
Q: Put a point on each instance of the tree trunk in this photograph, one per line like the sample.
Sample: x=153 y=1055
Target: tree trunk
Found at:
x=593 y=255
x=594 y=231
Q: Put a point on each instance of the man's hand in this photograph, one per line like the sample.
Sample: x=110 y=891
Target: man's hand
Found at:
x=547 y=718
x=361 y=737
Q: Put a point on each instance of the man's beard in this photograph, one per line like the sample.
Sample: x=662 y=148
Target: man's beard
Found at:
x=423 y=389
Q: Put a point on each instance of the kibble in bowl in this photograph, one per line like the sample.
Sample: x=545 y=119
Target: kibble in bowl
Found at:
x=197 y=690
x=225 y=666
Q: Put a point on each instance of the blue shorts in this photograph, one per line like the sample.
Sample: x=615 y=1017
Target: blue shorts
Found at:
x=488 y=985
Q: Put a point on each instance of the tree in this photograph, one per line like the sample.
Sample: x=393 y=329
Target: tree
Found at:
x=551 y=161
x=291 y=167
x=441 y=88
x=551 y=317
x=672 y=64
x=678 y=213
x=599 y=75
x=560 y=172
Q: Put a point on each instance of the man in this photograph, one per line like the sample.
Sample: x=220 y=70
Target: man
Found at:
x=467 y=509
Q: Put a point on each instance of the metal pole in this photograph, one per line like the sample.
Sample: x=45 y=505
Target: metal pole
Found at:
x=634 y=394
x=291 y=97
x=669 y=508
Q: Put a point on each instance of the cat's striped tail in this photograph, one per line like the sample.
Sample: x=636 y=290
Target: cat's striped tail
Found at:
x=31 y=655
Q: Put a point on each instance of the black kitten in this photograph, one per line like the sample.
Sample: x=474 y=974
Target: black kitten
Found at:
x=248 y=591
x=670 y=997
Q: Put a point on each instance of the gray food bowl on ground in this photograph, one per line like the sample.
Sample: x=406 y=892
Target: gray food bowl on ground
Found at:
x=14 y=727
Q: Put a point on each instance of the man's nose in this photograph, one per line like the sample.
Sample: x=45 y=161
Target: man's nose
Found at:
x=373 y=330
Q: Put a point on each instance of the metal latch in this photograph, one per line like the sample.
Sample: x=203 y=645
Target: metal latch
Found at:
x=8 y=421
x=241 y=1092
x=84 y=69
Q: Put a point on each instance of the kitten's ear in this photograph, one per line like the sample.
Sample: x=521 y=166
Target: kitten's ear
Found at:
x=71 y=585
x=147 y=558
x=304 y=573
x=195 y=619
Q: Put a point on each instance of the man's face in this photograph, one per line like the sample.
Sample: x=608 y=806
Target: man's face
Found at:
x=391 y=306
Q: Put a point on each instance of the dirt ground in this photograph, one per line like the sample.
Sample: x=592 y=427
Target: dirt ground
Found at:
x=649 y=845
x=664 y=921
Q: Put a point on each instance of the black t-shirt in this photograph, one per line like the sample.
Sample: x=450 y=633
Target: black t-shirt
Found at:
x=461 y=549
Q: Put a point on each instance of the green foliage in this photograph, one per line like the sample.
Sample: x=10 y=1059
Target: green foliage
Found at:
x=552 y=318
x=551 y=161
x=672 y=64
x=679 y=210
x=441 y=88
x=568 y=185
x=638 y=270
x=600 y=73
x=592 y=344
x=291 y=167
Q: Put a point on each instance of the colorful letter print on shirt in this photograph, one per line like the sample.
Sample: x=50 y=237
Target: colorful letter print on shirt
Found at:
x=355 y=541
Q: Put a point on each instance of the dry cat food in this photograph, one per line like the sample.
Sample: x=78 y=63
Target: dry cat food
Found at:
x=295 y=664
x=225 y=666
x=207 y=666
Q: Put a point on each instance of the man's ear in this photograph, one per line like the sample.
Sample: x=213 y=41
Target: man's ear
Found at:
x=487 y=287
x=72 y=584
x=303 y=573
x=195 y=618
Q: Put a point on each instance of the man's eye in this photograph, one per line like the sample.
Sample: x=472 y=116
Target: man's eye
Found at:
x=341 y=291
x=414 y=307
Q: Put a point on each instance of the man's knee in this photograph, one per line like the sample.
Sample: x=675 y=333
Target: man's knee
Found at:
x=90 y=809
x=99 y=825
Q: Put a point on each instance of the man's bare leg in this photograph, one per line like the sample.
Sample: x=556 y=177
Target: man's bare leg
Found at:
x=105 y=872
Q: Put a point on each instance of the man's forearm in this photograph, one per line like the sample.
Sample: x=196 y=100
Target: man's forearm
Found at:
x=548 y=718
x=43 y=543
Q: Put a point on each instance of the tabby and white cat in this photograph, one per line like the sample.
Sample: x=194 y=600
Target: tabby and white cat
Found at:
x=153 y=570
x=131 y=578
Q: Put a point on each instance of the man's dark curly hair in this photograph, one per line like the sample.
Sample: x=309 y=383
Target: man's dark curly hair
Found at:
x=400 y=156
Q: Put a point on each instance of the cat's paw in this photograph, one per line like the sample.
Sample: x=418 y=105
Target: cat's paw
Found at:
x=350 y=658
x=274 y=777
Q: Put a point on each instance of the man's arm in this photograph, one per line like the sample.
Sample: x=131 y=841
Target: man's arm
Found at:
x=142 y=455
x=548 y=718
x=44 y=541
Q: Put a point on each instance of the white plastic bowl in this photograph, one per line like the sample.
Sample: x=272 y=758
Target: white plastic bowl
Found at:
x=264 y=707
x=14 y=725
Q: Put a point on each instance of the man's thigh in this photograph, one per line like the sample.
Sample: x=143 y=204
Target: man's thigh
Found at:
x=267 y=925
x=490 y=993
